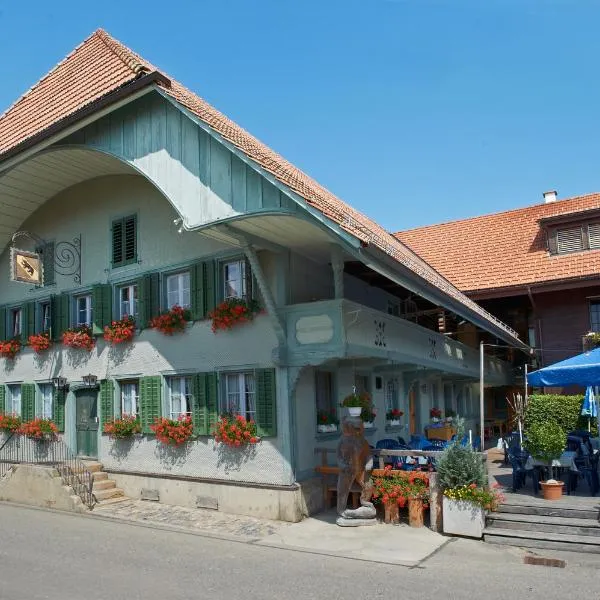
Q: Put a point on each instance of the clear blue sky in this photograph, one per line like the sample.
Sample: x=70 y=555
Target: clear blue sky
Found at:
x=413 y=111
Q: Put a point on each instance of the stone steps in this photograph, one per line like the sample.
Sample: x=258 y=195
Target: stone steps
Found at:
x=109 y=493
x=538 y=523
x=105 y=490
x=103 y=484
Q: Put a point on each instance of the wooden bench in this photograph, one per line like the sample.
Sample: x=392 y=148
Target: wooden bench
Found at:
x=330 y=486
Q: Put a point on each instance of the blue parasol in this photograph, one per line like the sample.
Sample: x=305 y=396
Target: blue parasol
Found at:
x=590 y=407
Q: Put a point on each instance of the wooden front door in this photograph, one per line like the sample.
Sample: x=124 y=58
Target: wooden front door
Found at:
x=86 y=403
x=412 y=411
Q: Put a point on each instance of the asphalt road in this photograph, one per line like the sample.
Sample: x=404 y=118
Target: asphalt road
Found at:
x=60 y=556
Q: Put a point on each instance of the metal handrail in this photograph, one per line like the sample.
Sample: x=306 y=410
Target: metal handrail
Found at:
x=53 y=452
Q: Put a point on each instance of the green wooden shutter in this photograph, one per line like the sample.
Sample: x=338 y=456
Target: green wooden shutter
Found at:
x=2 y=398
x=205 y=404
x=117 y=243
x=2 y=324
x=107 y=400
x=266 y=404
x=197 y=291
x=28 y=401
x=101 y=307
x=48 y=263
x=130 y=239
x=60 y=315
x=150 y=401
x=28 y=320
x=58 y=408
x=209 y=285
x=148 y=298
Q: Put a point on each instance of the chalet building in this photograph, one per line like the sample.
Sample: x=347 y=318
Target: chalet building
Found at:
x=535 y=268
x=139 y=196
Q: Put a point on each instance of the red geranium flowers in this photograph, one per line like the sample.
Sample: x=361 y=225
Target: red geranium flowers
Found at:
x=120 y=331
x=171 y=321
x=232 y=312
x=235 y=431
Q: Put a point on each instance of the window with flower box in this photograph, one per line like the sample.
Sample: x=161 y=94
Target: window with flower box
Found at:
x=129 y=397
x=13 y=400
x=179 y=396
x=324 y=392
x=83 y=310
x=45 y=400
x=128 y=301
x=392 y=395
x=237 y=279
x=239 y=395
x=178 y=290
x=44 y=316
x=15 y=326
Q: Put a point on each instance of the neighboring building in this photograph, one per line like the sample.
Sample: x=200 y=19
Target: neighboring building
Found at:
x=142 y=196
x=535 y=268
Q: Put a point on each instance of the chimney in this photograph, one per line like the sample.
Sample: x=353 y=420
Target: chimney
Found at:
x=550 y=196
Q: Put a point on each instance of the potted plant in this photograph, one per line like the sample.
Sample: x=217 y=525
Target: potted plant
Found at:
x=392 y=417
x=173 y=432
x=39 y=429
x=389 y=491
x=460 y=468
x=327 y=422
x=120 y=331
x=235 y=431
x=10 y=348
x=368 y=415
x=10 y=423
x=79 y=338
x=435 y=414
x=40 y=342
x=233 y=311
x=546 y=442
x=171 y=321
x=355 y=403
x=417 y=494
x=123 y=427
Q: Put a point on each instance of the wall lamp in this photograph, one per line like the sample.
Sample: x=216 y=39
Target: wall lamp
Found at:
x=60 y=383
x=90 y=380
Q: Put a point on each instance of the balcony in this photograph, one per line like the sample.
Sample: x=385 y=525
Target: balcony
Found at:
x=329 y=329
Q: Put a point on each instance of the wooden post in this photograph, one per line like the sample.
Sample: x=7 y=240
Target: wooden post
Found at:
x=435 y=504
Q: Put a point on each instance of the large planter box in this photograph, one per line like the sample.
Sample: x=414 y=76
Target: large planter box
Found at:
x=463 y=518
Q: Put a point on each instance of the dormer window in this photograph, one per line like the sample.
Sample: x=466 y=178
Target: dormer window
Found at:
x=569 y=238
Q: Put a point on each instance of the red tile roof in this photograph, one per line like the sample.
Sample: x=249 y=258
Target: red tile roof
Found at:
x=102 y=65
x=503 y=250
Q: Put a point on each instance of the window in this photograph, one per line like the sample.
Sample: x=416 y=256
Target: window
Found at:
x=129 y=397
x=236 y=280
x=124 y=241
x=13 y=400
x=324 y=392
x=361 y=383
x=393 y=308
x=16 y=322
x=83 y=311
x=594 y=235
x=44 y=317
x=46 y=392
x=240 y=394
x=569 y=240
x=179 y=396
x=391 y=394
x=128 y=301
x=178 y=290
x=595 y=315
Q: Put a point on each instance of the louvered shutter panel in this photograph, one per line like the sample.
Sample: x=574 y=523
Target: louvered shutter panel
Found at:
x=199 y=407
x=28 y=324
x=209 y=286
x=48 y=263
x=266 y=404
x=130 y=239
x=101 y=307
x=2 y=324
x=2 y=399
x=28 y=401
x=148 y=298
x=58 y=409
x=150 y=401
x=594 y=235
x=107 y=400
x=212 y=400
x=60 y=315
x=197 y=291
x=117 y=243
x=569 y=240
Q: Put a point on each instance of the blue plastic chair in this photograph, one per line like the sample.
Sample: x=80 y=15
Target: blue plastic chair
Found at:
x=390 y=444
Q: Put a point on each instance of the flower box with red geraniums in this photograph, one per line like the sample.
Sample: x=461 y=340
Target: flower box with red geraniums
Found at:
x=233 y=311
x=10 y=348
x=123 y=427
x=435 y=414
x=40 y=342
x=10 y=423
x=327 y=422
x=171 y=321
x=173 y=432
x=79 y=338
x=393 y=417
x=120 y=331
x=39 y=429
x=235 y=431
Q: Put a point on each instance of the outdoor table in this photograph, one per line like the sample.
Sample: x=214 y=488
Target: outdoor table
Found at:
x=565 y=461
